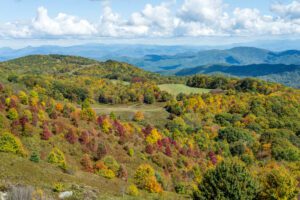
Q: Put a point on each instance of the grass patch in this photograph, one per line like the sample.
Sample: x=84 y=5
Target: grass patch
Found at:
x=154 y=114
x=175 y=89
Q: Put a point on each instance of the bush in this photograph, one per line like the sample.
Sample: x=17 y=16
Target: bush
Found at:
x=232 y=134
x=87 y=164
x=58 y=187
x=34 y=157
x=153 y=137
x=282 y=149
x=144 y=178
x=107 y=173
x=229 y=180
x=138 y=116
x=279 y=184
x=131 y=152
x=57 y=157
x=132 y=190
x=12 y=114
x=111 y=163
x=11 y=144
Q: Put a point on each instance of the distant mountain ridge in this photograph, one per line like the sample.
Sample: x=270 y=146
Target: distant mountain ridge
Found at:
x=234 y=56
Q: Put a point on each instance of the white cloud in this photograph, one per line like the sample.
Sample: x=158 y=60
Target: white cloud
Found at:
x=15 y=30
x=201 y=10
x=63 y=24
x=291 y=10
x=192 y=18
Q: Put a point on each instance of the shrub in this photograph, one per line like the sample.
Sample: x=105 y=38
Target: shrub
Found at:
x=122 y=173
x=132 y=190
x=282 y=149
x=153 y=137
x=12 y=114
x=71 y=136
x=46 y=134
x=131 y=152
x=34 y=157
x=279 y=184
x=107 y=173
x=111 y=163
x=87 y=164
x=138 y=116
x=229 y=180
x=235 y=134
x=58 y=187
x=23 y=97
x=11 y=144
x=144 y=178
x=57 y=157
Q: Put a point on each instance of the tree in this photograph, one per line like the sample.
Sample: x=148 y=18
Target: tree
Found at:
x=71 y=136
x=34 y=157
x=153 y=137
x=57 y=158
x=229 y=180
x=46 y=133
x=87 y=163
x=149 y=98
x=144 y=178
x=12 y=114
x=11 y=144
x=138 y=116
x=278 y=183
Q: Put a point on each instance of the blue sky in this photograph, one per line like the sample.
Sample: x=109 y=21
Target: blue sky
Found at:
x=37 y=22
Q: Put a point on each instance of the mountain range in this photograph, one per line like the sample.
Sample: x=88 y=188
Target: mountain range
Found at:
x=278 y=66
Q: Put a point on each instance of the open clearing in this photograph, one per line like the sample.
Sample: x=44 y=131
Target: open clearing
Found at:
x=175 y=89
x=154 y=114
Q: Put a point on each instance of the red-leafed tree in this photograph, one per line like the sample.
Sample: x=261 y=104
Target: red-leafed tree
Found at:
x=84 y=137
x=149 y=149
x=71 y=136
x=46 y=134
x=87 y=163
x=168 y=151
x=212 y=157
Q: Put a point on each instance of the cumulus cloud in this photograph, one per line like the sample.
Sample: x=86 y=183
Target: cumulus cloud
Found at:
x=151 y=21
x=291 y=10
x=63 y=24
x=192 y=18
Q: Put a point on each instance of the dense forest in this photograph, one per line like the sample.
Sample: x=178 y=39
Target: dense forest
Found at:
x=238 y=140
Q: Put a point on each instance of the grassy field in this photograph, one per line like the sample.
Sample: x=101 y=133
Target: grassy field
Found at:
x=175 y=89
x=154 y=114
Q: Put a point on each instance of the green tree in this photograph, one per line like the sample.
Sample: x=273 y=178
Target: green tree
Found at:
x=57 y=157
x=278 y=184
x=229 y=180
x=11 y=144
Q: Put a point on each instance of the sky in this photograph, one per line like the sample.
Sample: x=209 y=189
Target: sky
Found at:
x=193 y=22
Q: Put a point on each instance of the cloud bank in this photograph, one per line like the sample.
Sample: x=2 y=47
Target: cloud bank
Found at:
x=193 y=18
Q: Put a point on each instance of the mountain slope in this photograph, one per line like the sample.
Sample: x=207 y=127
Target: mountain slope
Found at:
x=285 y=74
x=74 y=65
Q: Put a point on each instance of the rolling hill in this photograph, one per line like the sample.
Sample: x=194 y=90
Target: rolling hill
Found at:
x=281 y=73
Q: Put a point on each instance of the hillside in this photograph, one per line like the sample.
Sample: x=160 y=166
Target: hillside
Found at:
x=285 y=74
x=63 y=65
x=108 y=130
